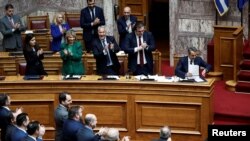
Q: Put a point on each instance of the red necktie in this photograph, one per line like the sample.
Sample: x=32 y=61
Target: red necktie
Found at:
x=141 y=53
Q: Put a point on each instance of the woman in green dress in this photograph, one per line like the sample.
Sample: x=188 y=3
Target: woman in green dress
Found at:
x=71 y=54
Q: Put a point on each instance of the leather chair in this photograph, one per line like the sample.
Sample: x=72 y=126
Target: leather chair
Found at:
x=73 y=19
x=38 y=22
x=20 y=66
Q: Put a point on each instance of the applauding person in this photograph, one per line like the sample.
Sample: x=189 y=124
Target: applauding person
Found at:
x=71 y=54
x=104 y=50
x=58 y=29
x=33 y=56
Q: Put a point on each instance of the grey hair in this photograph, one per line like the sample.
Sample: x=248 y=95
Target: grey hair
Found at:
x=112 y=134
x=101 y=26
x=165 y=132
x=194 y=49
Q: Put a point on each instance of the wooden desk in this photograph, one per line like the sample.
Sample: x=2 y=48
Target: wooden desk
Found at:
x=53 y=63
x=136 y=108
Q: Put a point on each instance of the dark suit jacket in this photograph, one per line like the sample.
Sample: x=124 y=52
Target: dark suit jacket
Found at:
x=57 y=36
x=60 y=115
x=87 y=134
x=11 y=40
x=28 y=138
x=85 y=22
x=34 y=64
x=182 y=66
x=4 y=123
x=129 y=45
x=121 y=25
x=9 y=131
x=101 y=60
x=18 y=135
x=70 y=130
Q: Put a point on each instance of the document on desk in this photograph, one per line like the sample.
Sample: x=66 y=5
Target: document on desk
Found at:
x=194 y=69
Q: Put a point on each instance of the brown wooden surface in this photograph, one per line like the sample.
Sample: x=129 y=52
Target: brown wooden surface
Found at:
x=228 y=50
x=53 y=63
x=136 y=108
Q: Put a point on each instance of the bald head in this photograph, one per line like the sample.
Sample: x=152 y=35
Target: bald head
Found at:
x=126 y=12
x=91 y=120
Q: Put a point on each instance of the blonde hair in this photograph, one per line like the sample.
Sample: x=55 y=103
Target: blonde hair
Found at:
x=70 y=33
x=56 y=17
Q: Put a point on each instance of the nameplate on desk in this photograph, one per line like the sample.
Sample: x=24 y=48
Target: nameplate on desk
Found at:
x=147 y=79
x=72 y=77
x=33 y=77
x=194 y=79
x=109 y=77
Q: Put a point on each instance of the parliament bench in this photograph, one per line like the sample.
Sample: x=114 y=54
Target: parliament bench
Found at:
x=13 y=65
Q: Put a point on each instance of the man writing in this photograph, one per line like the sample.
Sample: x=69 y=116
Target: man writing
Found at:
x=182 y=69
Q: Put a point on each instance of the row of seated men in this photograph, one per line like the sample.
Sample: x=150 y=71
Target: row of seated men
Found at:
x=16 y=125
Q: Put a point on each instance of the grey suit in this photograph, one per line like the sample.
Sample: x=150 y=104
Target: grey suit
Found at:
x=11 y=40
x=60 y=115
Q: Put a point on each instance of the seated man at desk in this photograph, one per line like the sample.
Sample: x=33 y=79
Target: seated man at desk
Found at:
x=182 y=68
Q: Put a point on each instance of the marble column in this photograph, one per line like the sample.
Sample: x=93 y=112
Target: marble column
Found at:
x=109 y=16
x=173 y=30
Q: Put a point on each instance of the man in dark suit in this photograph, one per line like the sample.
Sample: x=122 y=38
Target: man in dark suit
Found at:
x=11 y=27
x=73 y=125
x=184 y=63
x=139 y=46
x=19 y=133
x=11 y=127
x=91 y=17
x=61 y=113
x=104 y=50
x=5 y=114
x=33 y=131
x=165 y=134
x=125 y=24
x=88 y=133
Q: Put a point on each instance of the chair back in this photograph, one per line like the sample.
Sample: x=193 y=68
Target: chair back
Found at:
x=73 y=19
x=38 y=22
x=20 y=65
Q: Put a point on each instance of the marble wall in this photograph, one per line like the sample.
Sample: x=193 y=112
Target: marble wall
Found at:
x=42 y=7
x=191 y=21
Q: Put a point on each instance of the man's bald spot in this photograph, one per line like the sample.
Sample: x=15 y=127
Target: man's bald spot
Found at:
x=127 y=9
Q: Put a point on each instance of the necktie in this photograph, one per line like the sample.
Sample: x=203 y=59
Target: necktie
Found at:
x=141 y=53
x=108 y=55
x=103 y=43
x=11 y=21
x=191 y=61
x=92 y=14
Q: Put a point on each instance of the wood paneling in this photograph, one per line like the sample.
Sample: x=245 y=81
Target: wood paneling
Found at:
x=53 y=63
x=227 y=50
x=136 y=108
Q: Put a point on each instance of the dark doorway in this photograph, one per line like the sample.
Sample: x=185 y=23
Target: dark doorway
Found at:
x=159 y=25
